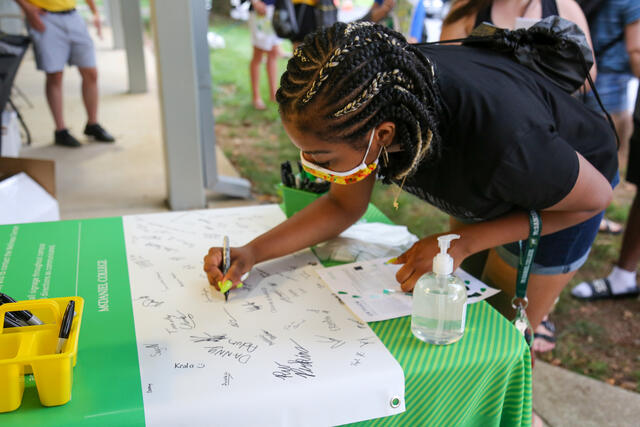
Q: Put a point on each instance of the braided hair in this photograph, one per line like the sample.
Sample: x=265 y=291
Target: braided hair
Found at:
x=347 y=79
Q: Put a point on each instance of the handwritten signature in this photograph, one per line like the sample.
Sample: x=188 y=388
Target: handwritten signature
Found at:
x=301 y=365
x=147 y=301
x=179 y=322
x=335 y=342
x=155 y=349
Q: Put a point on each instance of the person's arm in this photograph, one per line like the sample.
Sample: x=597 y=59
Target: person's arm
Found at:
x=323 y=219
x=460 y=28
x=632 y=40
x=417 y=23
x=32 y=14
x=590 y=195
x=571 y=11
x=259 y=6
x=96 y=17
x=380 y=11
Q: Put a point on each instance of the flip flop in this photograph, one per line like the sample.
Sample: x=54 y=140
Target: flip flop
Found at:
x=607 y=226
x=601 y=289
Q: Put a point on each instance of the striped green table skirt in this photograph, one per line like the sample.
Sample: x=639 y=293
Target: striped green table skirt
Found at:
x=482 y=380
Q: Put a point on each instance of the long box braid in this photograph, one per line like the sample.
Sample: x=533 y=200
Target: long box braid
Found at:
x=346 y=79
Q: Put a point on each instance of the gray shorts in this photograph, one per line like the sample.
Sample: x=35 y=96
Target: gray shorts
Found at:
x=65 y=40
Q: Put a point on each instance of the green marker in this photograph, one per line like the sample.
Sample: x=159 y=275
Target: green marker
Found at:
x=395 y=291
x=342 y=292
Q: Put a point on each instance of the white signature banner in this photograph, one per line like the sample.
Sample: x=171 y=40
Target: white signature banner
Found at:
x=282 y=351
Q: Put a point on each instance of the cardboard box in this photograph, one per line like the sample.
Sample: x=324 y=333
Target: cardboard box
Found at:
x=27 y=191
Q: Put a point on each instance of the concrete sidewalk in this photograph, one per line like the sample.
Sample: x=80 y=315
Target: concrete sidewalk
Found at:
x=127 y=177
x=563 y=398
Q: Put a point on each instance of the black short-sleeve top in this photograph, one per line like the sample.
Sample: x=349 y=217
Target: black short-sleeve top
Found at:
x=509 y=137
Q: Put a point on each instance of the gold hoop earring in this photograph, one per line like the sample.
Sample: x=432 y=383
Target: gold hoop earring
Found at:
x=385 y=156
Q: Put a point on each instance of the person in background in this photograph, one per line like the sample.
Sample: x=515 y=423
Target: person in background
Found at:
x=465 y=15
x=402 y=15
x=60 y=37
x=616 y=42
x=265 y=43
x=380 y=9
x=622 y=282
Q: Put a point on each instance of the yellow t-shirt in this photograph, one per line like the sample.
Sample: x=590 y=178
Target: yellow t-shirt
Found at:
x=54 y=5
x=307 y=2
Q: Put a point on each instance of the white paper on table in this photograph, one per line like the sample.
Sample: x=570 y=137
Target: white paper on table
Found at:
x=360 y=286
x=282 y=351
x=476 y=289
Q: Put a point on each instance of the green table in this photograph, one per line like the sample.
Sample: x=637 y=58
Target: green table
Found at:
x=483 y=380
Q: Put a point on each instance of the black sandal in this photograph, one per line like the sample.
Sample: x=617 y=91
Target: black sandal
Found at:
x=601 y=289
x=551 y=328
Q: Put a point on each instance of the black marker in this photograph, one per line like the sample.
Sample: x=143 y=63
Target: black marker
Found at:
x=65 y=326
x=24 y=315
x=10 y=321
x=226 y=261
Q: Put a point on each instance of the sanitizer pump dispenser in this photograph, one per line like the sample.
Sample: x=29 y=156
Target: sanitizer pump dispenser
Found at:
x=439 y=300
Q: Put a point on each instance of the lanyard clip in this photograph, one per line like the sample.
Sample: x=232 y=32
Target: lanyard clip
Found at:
x=521 y=321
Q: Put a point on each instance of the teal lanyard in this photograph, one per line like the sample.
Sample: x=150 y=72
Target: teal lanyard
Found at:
x=527 y=256
x=520 y=301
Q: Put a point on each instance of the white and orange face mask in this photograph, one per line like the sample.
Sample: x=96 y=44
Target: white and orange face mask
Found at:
x=356 y=174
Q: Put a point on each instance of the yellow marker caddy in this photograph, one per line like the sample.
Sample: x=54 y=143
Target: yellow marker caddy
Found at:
x=32 y=349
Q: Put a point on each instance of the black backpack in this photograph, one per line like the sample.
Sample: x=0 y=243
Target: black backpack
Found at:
x=284 y=21
x=287 y=25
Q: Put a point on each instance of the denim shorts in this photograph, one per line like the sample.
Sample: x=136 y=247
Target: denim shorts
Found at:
x=612 y=89
x=560 y=252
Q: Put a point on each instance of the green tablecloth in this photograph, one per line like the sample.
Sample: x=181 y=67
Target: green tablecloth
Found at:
x=483 y=380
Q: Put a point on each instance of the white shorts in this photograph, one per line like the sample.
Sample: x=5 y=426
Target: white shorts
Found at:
x=262 y=34
x=65 y=40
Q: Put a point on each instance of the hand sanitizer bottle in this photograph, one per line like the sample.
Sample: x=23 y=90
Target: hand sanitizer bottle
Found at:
x=439 y=300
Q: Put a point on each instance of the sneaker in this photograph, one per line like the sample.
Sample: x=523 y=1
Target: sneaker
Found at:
x=63 y=137
x=98 y=133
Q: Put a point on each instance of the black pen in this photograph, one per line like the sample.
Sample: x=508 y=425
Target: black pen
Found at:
x=24 y=315
x=10 y=321
x=65 y=326
x=226 y=261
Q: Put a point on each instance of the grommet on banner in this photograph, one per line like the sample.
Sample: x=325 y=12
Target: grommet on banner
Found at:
x=395 y=402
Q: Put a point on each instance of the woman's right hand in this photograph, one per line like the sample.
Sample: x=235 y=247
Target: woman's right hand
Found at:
x=242 y=260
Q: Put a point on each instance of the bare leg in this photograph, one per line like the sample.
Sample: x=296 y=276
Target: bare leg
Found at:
x=254 y=70
x=90 y=93
x=624 y=126
x=541 y=292
x=53 y=90
x=272 y=71
x=630 y=252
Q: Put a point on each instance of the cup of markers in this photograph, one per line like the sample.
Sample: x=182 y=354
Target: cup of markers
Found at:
x=299 y=190
x=39 y=337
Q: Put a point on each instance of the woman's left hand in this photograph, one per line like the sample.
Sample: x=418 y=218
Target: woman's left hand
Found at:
x=419 y=258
